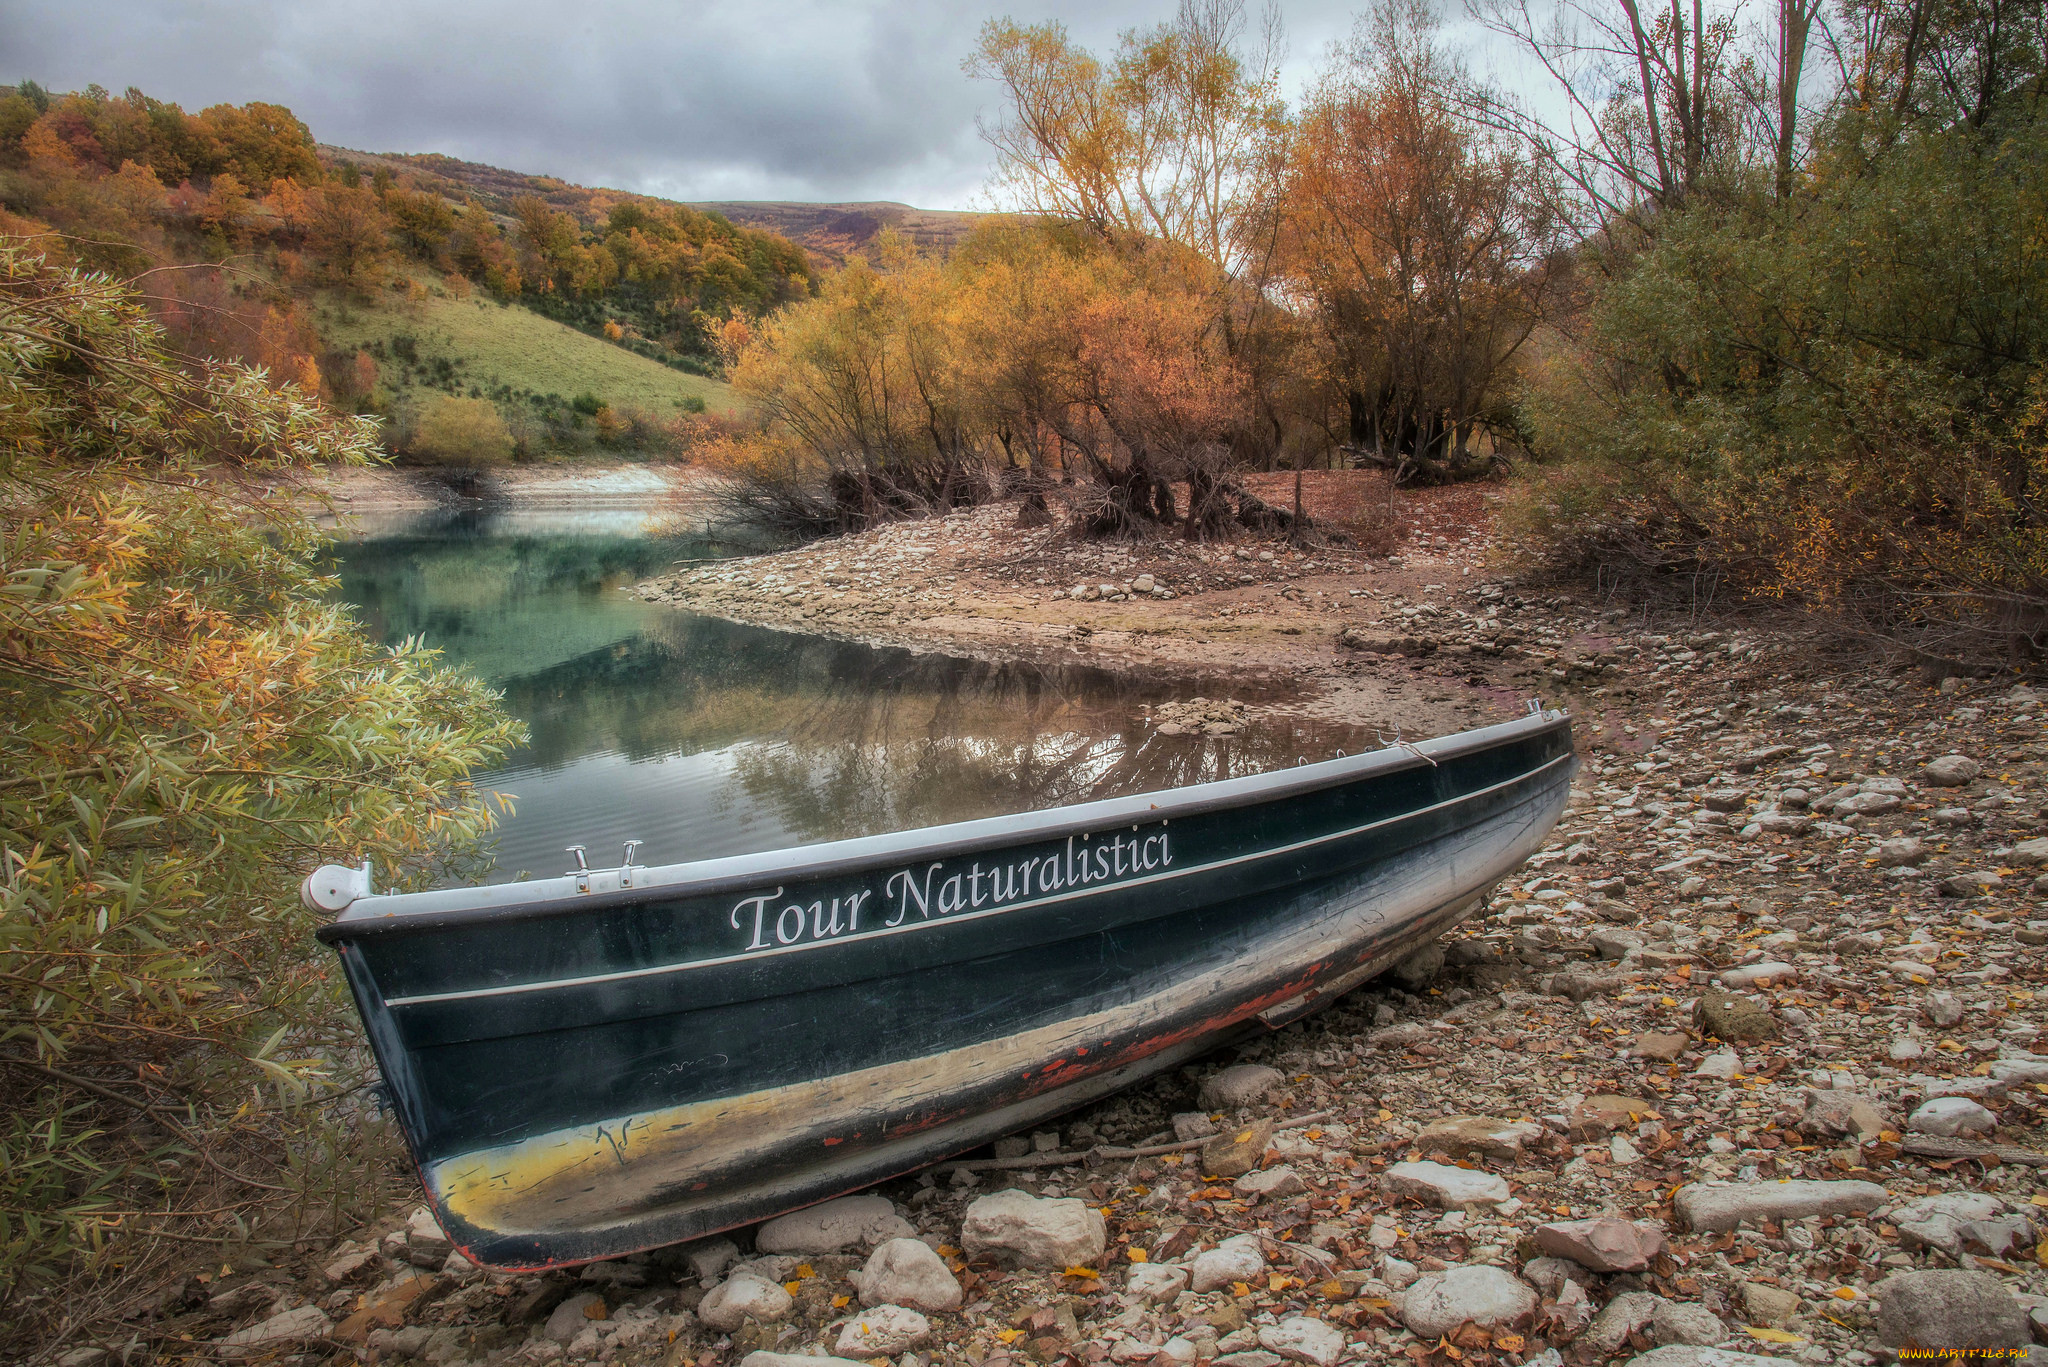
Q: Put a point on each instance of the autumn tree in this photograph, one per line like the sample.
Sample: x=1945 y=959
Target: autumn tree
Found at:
x=348 y=233
x=1420 y=242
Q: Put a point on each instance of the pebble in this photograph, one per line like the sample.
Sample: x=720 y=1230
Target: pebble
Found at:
x=1488 y=1297
x=1271 y=1184
x=767 y=1359
x=1679 y=1355
x=1628 y=1313
x=1031 y=1231
x=1732 y=1018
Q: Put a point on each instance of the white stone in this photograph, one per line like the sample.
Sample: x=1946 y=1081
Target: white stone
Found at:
x=1237 y=1259
x=1950 y=771
x=743 y=1296
x=1724 y=1065
x=1177 y=1350
x=1244 y=1084
x=834 y=1225
x=2020 y=1070
x=307 y=1324
x=1949 y=1116
x=708 y=1258
x=1713 y=1208
x=908 y=1272
x=1271 y=1184
x=1487 y=1296
x=765 y=1359
x=1689 y=1355
x=1158 y=1283
x=883 y=1331
x=1443 y=1186
x=1758 y=975
x=1676 y=1322
x=1032 y=1231
x=1303 y=1340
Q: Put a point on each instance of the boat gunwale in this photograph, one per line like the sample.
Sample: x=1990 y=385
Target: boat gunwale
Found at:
x=425 y=911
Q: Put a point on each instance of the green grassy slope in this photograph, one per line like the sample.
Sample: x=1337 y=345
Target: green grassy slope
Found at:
x=489 y=346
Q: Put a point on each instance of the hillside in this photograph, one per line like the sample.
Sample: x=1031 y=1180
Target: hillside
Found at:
x=504 y=352
x=830 y=232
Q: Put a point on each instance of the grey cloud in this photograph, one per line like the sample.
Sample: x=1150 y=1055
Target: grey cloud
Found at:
x=700 y=99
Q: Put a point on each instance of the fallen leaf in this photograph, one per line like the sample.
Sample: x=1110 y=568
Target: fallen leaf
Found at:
x=1508 y=1343
x=1136 y=1254
x=804 y=1270
x=1009 y=1335
x=1772 y=1335
x=841 y=1302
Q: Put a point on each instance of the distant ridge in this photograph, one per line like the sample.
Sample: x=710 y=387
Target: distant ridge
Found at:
x=829 y=232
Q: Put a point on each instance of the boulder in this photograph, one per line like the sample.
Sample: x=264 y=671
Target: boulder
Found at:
x=883 y=1331
x=1031 y=1231
x=1711 y=1208
x=1602 y=1244
x=1238 y=1259
x=1486 y=1296
x=741 y=1297
x=1245 y=1084
x=907 y=1272
x=1444 y=1187
x=1948 y=1309
x=834 y=1225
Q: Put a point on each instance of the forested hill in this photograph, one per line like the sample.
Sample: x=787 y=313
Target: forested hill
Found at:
x=829 y=232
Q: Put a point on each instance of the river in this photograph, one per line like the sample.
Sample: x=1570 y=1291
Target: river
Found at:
x=700 y=737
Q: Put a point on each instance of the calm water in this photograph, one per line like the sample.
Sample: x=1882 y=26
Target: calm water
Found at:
x=701 y=738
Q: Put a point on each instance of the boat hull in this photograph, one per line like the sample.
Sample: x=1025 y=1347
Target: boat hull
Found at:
x=585 y=1073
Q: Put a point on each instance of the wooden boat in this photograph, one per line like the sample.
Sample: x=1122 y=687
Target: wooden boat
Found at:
x=623 y=1058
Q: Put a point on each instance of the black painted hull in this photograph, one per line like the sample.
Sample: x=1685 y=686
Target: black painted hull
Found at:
x=585 y=1073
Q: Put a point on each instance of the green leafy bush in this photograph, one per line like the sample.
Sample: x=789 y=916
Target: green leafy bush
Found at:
x=191 y=727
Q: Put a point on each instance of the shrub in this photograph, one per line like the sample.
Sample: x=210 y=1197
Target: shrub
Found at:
x=456 y=431
x=191 y=727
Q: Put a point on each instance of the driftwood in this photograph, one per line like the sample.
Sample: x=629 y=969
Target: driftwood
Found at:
x=1926 y=1146
x=1101 y=1153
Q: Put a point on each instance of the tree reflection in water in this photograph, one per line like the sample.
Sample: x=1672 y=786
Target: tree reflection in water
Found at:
x=703 y=737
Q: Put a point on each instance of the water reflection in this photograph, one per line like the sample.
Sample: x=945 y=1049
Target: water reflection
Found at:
x=701 y=737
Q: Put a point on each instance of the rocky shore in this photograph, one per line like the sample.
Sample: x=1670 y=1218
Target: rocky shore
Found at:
x=1740 y=1069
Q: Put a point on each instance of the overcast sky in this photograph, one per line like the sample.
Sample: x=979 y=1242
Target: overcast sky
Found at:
x=690 y=99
